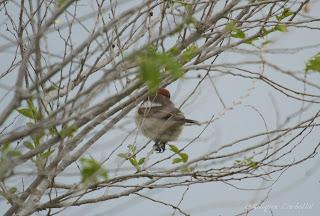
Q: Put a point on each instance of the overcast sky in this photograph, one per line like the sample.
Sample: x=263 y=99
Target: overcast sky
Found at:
x=298 y=187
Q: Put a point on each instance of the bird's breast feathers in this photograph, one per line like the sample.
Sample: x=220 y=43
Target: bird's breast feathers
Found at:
x=158 y=129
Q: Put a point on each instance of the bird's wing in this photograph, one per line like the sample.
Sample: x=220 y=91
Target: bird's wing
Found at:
x=162 y=112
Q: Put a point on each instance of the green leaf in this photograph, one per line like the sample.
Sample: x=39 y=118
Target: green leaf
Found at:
x=238 y=34
x=174 y=149
x=134 y=162
x=26 y=112
x=60 y=2
x=150 y=73
x=53 y=131
x=250 y=41
x=230 y=26
x=104 y=173
x=28 y=145
x=47 y=153
x=36 y=137
x=281 y=28
x=68 y=131
x=13 y=190
x=184 y=157
x=14 y=153
x=5 y=147
x=176 y=160
x=253 y=164
x=188 y=8
x=313 y=64
x=264 y=32
x=174 y=51
x=266 y=43
x=53 y=87
x=187 y=170
x=152 y=63
x=141 y=161
x=235 y=31
x=285 y=13
x=31 y=113
x=36 y=114
x=151 y=50
x=189 y=53
x=132 y=149
x=91 y=169
x=123 y=155
x=171 y=65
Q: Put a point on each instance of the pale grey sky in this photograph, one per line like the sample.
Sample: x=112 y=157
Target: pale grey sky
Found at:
x=298 y=187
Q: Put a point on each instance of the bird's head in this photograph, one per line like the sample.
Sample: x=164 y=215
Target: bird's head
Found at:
x=164 y=92
x=161 y=96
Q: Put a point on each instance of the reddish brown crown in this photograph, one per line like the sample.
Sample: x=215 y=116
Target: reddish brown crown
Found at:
x=164 y=92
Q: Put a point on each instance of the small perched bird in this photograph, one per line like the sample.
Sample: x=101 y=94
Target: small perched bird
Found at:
x=158 y=119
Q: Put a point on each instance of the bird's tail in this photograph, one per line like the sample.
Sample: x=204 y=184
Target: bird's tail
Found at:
x=190 y=121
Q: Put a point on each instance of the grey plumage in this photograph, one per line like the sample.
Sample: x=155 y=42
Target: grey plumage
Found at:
x=158 y=119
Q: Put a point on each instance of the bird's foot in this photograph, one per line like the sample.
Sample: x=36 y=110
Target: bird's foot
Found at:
x=160 y=147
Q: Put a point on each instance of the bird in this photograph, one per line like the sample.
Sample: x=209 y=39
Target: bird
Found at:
x=159 y=120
